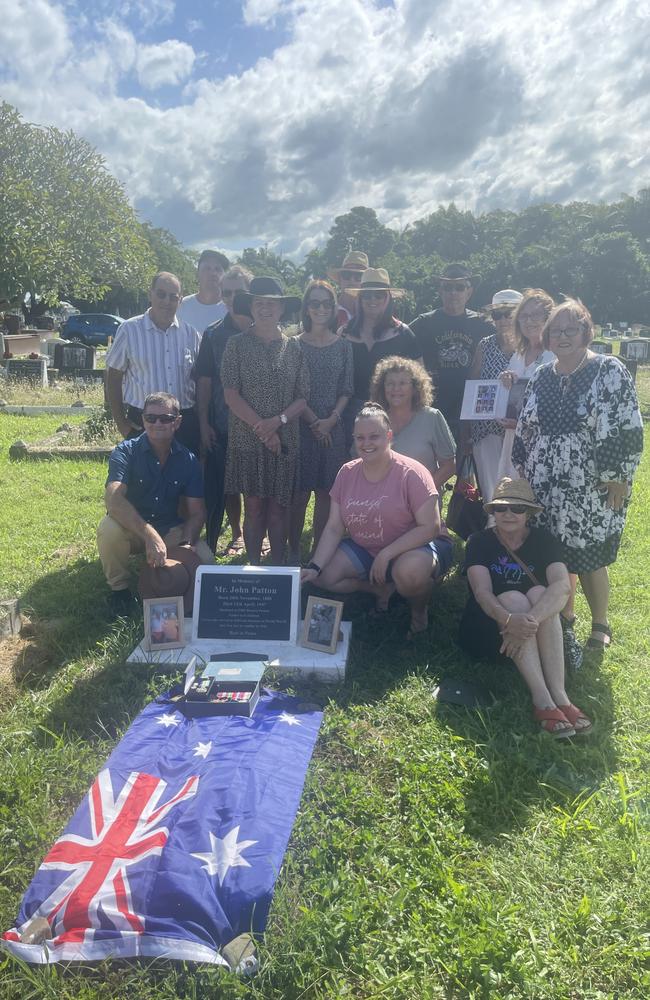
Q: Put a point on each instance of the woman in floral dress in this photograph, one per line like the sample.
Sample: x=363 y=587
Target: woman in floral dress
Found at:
x=578 y=441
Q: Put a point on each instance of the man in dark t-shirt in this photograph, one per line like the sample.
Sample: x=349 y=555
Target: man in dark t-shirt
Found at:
x=448 y=338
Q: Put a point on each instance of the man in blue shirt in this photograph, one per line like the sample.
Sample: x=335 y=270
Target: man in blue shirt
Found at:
x=154 y=498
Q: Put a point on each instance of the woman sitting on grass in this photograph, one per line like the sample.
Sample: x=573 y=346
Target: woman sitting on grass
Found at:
x=388 y=504
x=518 y=586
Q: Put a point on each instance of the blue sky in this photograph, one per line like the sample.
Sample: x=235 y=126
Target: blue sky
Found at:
x=246 y=122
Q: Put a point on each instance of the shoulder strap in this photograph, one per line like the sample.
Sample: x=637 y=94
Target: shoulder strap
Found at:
x=531 y=576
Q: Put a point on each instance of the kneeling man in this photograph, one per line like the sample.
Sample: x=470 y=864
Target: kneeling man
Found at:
x=149 y=477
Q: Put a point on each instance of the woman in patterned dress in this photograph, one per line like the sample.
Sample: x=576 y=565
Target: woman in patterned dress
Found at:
x=322 y=437
x=491 y=358
x=578 y=441
x=266 y=384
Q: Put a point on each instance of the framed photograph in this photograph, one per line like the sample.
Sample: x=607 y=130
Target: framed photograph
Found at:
x=320 y=629
x=516 y=398
x=163 y=623
x=484 y=399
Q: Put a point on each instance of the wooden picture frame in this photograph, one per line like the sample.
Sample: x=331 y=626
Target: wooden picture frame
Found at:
x=320 y=629
x=163 y=623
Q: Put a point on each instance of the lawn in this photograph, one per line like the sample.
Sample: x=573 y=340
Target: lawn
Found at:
x=437 y=853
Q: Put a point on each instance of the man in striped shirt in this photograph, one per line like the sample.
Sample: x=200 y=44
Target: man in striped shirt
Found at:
x=154 y=352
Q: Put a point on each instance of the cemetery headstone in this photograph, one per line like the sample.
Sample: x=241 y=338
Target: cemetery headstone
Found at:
x=600 y=347
x=74 y=357
x=637 y=349
x=31 y=370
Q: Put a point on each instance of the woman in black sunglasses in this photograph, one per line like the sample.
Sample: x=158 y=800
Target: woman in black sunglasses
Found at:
x=518 y=585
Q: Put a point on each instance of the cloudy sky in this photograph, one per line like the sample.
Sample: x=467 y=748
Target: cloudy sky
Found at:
x=241 y=122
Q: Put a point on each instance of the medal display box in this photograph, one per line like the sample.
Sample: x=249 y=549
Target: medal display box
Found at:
x=221 y=688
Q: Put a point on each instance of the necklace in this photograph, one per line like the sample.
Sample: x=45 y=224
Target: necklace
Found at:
x=565 y=377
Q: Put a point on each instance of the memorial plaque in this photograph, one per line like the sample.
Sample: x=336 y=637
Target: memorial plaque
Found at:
x=34 y=371
x=73 y=357
x=246 y=603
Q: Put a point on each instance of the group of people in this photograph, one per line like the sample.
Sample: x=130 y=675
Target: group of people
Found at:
x=342 y=409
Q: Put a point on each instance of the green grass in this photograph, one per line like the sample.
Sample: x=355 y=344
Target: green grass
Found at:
x=437 y=853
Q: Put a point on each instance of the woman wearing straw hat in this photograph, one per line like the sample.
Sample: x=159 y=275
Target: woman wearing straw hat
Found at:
x=266 y=383
x=375 y=334
x=518 y=585
x=492 y=356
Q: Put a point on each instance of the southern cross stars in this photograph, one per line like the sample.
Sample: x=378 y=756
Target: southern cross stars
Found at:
x=226 y=853
x=203 y=749
x=290 y=720
x=167 y=720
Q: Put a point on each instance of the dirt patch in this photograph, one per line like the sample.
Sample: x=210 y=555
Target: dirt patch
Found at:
x=26 y=657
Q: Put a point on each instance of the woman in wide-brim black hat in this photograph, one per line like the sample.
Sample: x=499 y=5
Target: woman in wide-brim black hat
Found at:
x=266 y=384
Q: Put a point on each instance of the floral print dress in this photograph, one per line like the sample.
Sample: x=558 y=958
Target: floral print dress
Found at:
x=575 y=432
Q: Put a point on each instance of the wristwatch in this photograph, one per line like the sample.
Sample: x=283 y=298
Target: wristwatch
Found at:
x=283 y=418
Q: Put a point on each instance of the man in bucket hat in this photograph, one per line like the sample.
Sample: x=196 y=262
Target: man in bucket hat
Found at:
x=448 y=338
x=348 y=275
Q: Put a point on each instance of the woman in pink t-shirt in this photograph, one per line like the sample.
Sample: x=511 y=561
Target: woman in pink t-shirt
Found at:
x=388 y=505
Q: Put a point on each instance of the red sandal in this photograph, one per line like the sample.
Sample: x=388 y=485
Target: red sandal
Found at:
x=551 y=719
x=575 y=715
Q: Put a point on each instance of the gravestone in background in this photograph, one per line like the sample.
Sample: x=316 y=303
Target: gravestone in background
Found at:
x=73 y=358
x=30 y=370
x=636 y=349
x=600 y=347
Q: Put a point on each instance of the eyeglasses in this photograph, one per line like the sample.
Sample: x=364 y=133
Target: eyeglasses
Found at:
x=532 y=317
x=164 y=418
x=351 y=275
x=569 y=331
x=326 y=304
x=514 y=508
x=454 y=286
x=163 y=296
x=501 y=313
x=372 y=294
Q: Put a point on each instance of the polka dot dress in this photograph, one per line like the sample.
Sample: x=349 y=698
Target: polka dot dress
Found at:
x=574 y=433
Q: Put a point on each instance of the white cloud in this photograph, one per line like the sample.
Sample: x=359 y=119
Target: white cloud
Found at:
x=398 y=107
x=170 y=62
x=33 y=32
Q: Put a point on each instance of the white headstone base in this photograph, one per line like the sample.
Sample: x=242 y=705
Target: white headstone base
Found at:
x=329 y=667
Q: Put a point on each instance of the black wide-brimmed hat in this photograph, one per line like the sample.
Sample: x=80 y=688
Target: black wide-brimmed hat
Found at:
x=458 y=272
x=265 y=288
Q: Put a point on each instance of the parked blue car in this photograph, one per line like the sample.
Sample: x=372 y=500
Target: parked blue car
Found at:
x=90 y=328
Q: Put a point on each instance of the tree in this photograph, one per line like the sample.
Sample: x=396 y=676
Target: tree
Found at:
x=359 y=229
x=66 y=226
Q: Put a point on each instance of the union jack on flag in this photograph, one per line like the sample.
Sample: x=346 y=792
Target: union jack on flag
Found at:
x=175 y=849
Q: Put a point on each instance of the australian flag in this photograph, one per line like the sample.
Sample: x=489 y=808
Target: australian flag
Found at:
x=175 y=850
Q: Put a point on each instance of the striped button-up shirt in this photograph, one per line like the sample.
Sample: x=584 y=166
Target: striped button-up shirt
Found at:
x=154 y=360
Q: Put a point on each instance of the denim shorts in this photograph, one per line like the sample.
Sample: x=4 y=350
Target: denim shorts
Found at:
x=362 y=560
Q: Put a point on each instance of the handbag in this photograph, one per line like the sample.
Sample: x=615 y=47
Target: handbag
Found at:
x=465 y=514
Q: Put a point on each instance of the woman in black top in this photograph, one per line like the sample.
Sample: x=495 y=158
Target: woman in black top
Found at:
x=518 y=585
x=374 y=333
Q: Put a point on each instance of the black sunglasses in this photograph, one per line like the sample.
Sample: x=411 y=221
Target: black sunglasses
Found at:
x=163 y=296
x=164 y=418
x=501 y=313
x=320 y=304
x=514 y=508
x=351 y=275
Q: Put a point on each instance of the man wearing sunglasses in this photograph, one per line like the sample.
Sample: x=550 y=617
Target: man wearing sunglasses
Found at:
x=150 y=479
x=448 y=338
x=348 y=275
x=154 y=352
x=207 y=306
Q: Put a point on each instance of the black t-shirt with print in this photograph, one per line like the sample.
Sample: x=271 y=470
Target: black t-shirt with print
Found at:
x=447 y=345
x=538 y=551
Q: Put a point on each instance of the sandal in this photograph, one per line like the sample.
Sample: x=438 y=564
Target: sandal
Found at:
x=235 y=548
x=599 y=644
x=580 y=722
x=554 y=722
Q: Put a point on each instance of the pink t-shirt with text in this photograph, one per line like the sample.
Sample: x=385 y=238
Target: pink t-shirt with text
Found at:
x=376 y=514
